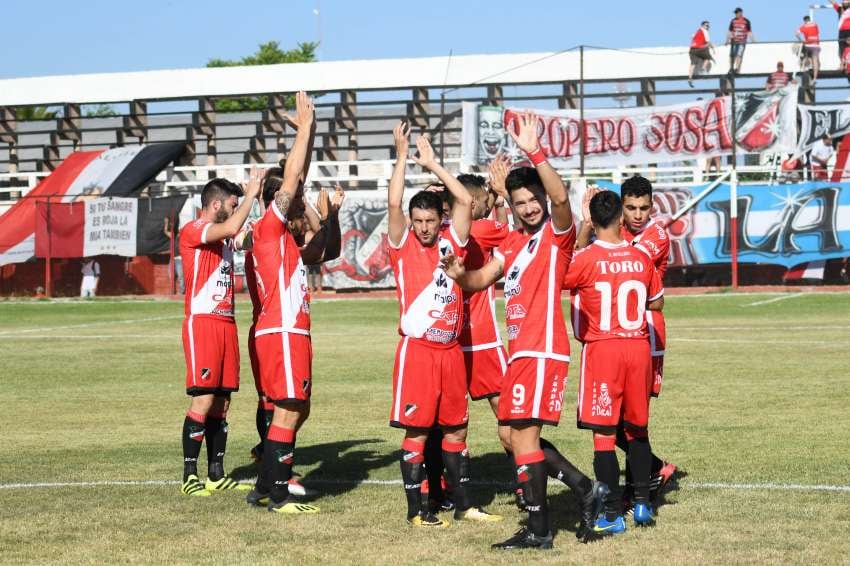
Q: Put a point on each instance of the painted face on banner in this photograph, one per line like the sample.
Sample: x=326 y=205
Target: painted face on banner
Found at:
x=491 y=132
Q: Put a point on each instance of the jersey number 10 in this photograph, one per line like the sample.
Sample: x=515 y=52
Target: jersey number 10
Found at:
x=624 y=293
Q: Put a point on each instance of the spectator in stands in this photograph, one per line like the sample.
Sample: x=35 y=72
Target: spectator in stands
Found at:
x=700 y=53
x=778 y=78
x=809 y=34
x=819 y=158
x=91 y=277
x=740 y=30
x=845 y=60
x=843 y=10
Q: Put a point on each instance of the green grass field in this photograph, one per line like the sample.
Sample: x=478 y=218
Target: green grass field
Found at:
x=754 y=410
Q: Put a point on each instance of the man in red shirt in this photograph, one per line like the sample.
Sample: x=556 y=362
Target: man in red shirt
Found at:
x=845 y=60
x=429 y=381
x=210 y=341
x=740 y=30
x=282 y=331
x=809 y=34
x=533 y=260
x=778 y=78
x=843 y=10
x=613 y=284
x=700 y=52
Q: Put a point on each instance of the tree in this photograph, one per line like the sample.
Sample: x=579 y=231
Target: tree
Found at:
x=269 y=53
x=35 y=113
x=100 y=111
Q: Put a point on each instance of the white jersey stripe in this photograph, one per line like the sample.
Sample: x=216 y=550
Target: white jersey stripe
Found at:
x=538 y=388
x=400 y=379
x=502 y=362
x=192 y=348
x=581 y=380
x=550 y=300
x=576 y=300
x=287 y=365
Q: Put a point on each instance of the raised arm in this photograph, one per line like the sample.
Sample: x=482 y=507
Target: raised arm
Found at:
x=462 y=208
x=230 y=227
x=562 y=215
x=333 y=245
x=395 y=213
x=472 y=280
x=499 y=169
x=586 y=231
x=303 y=122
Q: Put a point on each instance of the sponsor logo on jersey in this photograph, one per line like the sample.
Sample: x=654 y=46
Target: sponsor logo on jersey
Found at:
x=601 y=402
x=447 y=317
x=513 y=331
x=515 y=312
x=439 y=336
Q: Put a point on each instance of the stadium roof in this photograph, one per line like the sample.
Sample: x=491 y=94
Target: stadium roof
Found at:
x=387 y=74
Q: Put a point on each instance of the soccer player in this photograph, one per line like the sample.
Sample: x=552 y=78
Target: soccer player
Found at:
x=533 y=260
x=429 y=385
x=613 y=284
x=650 y=237
x=282 y=332
x=209 y=330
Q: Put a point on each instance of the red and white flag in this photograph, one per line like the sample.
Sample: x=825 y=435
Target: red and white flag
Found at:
x=808 y=270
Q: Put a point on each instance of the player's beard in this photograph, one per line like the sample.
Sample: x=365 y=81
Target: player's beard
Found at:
x=221 y=215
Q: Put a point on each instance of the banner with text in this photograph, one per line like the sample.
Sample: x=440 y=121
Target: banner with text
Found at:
x=780 y=224
x=815 y=121
x=110 y=227
x=766 y=122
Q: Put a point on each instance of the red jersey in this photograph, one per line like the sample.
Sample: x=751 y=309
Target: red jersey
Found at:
x=778 y=79
x=740 y=28
x=653 y=241
x=534 y=265
x=700 y=39
x=480 y=329
x=281 y=277
x=611 y=285
x=843 y=17
x=811 y=33
x=207 y=271
x=429 y=301
x=251 y=283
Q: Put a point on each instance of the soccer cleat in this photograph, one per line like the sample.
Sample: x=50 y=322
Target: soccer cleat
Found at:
x=427 y=520
x=257 y=497
x=226 y=483
x=291 y=508
x=524 y=538
x=438 y=505
x=659 y=480
x=477 y=515
x=591 y=505
x=605 y=527
x=643 y=515
x=193 y=486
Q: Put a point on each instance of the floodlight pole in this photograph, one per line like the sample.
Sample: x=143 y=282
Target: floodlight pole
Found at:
x=581 y=111
x=733 y=187
x=442 y=127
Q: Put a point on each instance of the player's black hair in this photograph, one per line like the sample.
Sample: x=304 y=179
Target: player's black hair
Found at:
x=271 y=183
x=526 y=178
x=605 y=208
x=219 y=189
x=806 y=19
x=472 y=182
x=426 y=200
x=636 y=186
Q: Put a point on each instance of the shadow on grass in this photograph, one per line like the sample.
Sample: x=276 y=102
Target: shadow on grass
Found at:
x=341 y=467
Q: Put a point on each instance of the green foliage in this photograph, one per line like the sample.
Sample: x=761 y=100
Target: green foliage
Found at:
x=269 y=53
x=36 y=113
x=100 y=111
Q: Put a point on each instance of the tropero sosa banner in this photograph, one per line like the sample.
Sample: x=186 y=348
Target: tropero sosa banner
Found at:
x=766 y=122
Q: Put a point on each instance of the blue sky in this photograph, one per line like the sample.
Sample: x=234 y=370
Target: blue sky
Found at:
x=91 y=36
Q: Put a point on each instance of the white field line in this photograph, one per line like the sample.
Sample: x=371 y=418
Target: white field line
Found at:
x=773 y=300
x=738 y=341
x=776 y=328
x=770 y=486
x=88 y=325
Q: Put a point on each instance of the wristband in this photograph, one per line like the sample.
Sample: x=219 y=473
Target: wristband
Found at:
x=537 y=157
